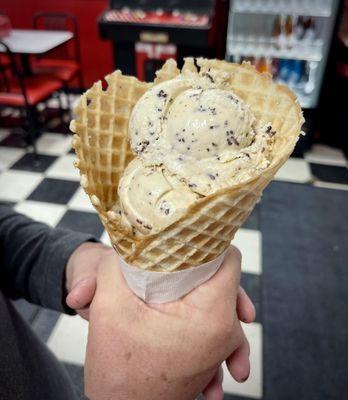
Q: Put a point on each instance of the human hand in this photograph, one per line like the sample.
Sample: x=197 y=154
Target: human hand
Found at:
x=81 y=275
x=81 y=280
x=141 y=351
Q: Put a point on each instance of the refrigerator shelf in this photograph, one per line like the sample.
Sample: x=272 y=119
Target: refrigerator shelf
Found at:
x=271 y=7
x=268 y=49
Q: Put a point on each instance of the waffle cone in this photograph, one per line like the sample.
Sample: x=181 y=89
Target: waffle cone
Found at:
x=207 y=228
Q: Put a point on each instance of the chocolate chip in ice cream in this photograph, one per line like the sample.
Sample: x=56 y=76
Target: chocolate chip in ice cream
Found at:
x=164 y=207
x=141 y=146
x=162 y=94
x=270 y=131
x=231 y=138
x=209 y=77
x=201 y=108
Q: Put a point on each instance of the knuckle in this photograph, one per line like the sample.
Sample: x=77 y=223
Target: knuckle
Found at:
x=228 y=327
x=224 y=329
x=99 y=308
x=236 y=253
x=220 y=340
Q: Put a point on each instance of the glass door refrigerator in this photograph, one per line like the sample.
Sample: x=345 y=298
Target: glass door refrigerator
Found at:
x=289 y=38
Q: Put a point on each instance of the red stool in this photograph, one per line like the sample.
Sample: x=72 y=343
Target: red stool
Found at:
x=25 y=93
x=64 y=62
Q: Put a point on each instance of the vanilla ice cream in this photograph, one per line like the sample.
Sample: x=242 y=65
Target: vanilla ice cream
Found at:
x=192 y=136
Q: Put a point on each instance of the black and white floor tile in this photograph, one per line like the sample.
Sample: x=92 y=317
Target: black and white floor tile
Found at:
x=49 y=191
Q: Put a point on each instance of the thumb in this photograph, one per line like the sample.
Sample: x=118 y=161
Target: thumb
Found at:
x=82 y=293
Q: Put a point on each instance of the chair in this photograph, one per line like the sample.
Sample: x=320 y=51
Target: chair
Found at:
x=5 y=27
x=342 y=59
x=25 y=93
x=4 y=66
x=64 y=62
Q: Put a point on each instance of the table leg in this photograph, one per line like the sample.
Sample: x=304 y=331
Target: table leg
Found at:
x=25 y=61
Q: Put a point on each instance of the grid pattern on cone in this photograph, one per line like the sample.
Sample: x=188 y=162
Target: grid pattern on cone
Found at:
x=100 y=139
x=201 y=236
x=197 y=238
x=210 y=224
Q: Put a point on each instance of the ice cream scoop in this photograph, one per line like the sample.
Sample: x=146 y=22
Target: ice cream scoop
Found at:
x=148 y=119
x=189 y=114
x=151 y=197
x=192 y=135
x=203 y=122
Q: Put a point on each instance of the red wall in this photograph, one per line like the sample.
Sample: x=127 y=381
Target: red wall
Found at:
x=96 y=54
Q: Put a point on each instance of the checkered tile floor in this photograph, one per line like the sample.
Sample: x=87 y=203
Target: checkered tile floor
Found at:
x=49 y=191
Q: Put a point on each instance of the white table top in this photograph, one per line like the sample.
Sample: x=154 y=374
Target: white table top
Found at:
x=34 y=41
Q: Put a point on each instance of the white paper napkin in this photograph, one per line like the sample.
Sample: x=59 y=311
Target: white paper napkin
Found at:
x=162 y=287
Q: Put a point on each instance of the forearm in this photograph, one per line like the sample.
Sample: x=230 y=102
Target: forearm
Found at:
x=33 y=258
